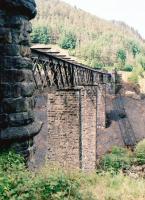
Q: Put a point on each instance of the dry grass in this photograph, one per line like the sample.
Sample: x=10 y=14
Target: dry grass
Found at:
x=103 y=186
x=118 y=187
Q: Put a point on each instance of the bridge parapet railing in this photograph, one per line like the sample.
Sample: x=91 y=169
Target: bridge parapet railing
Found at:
x=52 y=71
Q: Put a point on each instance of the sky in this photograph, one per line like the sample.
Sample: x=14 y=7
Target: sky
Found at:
x=132 y=12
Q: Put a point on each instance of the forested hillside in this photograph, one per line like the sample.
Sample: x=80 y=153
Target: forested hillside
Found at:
x=96 y=42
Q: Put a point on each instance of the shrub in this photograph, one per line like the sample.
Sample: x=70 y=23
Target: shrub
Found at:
x=68 y=41
x=140 y=152
x=137 y=71
x=121 y=56
x=134 y=47
x=17 y=183
x=11 y=161
x=128 y=68
x=119 y=158
x=41 y=34
x=141 y=60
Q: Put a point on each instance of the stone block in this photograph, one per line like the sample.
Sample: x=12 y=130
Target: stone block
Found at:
x=3 y=121
x=20 y=119
x=14 y=50
x=21 y=38
x=21 y=35
x=25 y=51
x=15 y=62
x=9 y=50
x=22 y=7
x=13 y=75
x=9 y=90
x=24 y=89
x=5 y=35
x=28 y=27
x=5 y=90
x=2 y=18
x=24 y=147
x=15 y=21
x=11 y=105
x=20 y=133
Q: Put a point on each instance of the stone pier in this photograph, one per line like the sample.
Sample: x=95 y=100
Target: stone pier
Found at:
x=72 y=127
x=18 y=125
x=101 y=106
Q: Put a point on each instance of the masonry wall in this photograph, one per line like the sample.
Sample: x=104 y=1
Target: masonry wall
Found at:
x=64 y=128
x=101 y=106
x=72 y=127
x=18 y=124
x=41 y=139
x=89 y=127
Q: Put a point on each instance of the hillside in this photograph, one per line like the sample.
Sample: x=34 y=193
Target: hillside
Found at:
x=96 y=42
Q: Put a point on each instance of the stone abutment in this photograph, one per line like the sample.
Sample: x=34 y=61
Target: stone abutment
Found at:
x=18 y=125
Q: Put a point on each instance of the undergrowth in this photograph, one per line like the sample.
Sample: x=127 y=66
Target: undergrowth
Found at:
x=119 y=158
x=55 y=183
x=49 y=183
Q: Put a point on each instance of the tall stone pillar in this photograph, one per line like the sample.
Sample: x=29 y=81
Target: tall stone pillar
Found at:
x=101 y=106
x=72 y=133
x=17 y=123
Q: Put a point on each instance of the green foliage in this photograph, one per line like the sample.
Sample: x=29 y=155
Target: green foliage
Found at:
x=137 y=71
x=140 y=152
x=10 y=160
x=121 y=56
x=91 y=54
x=141 y=60
x=68 y=41
x=15 y=180
x=119 y=158
x=54 y=183
x=17 y=183
x=128 y=68
x=71 y=52
x=134 y=47
x=41 y=34
x=98 y=41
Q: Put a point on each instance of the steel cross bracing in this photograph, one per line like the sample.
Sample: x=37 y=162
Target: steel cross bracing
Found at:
x=53 y=70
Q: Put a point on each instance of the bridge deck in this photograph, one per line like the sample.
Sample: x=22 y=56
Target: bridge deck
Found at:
x=51 y=69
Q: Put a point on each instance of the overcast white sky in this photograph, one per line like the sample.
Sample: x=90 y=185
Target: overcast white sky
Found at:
x=131 y=12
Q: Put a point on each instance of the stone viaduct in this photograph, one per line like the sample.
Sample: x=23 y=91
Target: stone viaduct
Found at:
x=48 y=104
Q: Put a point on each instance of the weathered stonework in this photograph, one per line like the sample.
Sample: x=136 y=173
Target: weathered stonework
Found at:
x=101 y=106
x=72 y=127
x=64 y=128
x=89 y=127
x=18 y=125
